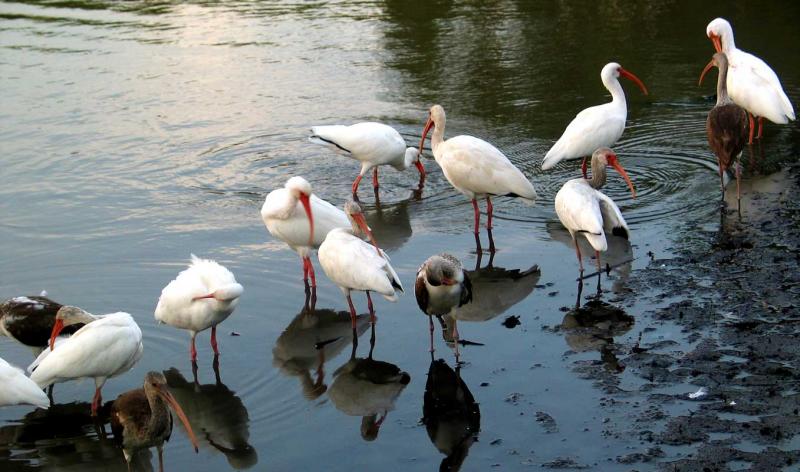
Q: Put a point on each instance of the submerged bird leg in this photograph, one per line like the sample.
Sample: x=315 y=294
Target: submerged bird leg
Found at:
x=214 y=340
x=215 y=367
x=760 y=127
x=193 y=350
x=375 y=183
x=352 y=313
x=371 y=309
x=752 y=127
x=371 y=340
x=430 y=329
x=355 y=186
x=491 y=246
x=194 y=373
x=477 y=215
x=584 y=168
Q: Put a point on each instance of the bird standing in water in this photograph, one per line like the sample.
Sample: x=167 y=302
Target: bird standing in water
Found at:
x=726 y=125
x=442 y=285
x=140 y=418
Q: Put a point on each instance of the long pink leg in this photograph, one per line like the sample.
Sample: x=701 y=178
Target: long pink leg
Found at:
x=597 y=256
x=214 y=340
x=305 y=270
x=355 y=186
x=760 y=126
x=375 y=183
x=352 y=312
x=489 y=209
x=752 y=127
x=371 y=309
x=193 y=350
x=477 y=215
x=310 y=269
x=96 y=400
x=578 y=252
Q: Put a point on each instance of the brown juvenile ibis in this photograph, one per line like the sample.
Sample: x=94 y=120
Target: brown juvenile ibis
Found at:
x=140 y=418
x=442 y=285
x=727 y=123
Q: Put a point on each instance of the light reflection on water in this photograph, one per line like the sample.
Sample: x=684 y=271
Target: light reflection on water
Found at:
x=134 y=133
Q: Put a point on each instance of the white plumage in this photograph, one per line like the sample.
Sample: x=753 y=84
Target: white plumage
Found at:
x=751 y=83
x=105 y=347
x=17 y=389
x=372 y=144
x=200 y=297
x=474 y=167
x=285 y=217
x=597 y=126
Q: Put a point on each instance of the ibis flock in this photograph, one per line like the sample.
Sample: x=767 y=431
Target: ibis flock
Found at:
x=73 y=344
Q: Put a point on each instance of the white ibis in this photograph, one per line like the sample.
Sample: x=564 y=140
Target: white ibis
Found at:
x=475 y=168
x=726 y=125
x=597 y=126
x=442 y=285
x=353 y=264
x=583 y=209
x=105 y=347
x=200 y=297
x=140 y=418
x=751 y=83
x=29 y=320
x=18 y=389
x=373 y=144
x=300 y=219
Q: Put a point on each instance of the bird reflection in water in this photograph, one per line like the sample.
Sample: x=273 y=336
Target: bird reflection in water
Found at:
x=313 y=337
x=367 y=388
x=217 y=415
x=390 y=224
x=495 y=290
x=451 y=415
x=65 y=437
x=593 y=326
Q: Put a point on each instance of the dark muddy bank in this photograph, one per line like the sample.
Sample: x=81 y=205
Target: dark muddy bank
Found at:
x=733 y=294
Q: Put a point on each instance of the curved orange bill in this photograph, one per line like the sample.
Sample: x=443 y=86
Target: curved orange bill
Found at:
x=306 y=201
x=705 y=70
x=612 y=160
x=428 y=126
x=716 y=41
x=164 y=394
x=57 y=327
x=362 y=223
x=633 y=78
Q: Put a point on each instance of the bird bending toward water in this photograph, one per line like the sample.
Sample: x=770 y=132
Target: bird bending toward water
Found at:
x=353 y=264
x=726 y=125
x=751 y=83
x=475 y=168
x=597 y=126
x=140 y=418
x=200 y=297
x=442 y=285
x=373 y=144
x=583 y=209
x=107 y=346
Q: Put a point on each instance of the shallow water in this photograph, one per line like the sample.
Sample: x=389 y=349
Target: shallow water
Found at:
x=135 y=133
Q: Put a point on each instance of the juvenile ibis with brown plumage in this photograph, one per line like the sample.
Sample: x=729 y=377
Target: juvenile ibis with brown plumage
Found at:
x=726 y=125
x=583 y=209
x=442 y=285
x=29 y=320
x=140 y=418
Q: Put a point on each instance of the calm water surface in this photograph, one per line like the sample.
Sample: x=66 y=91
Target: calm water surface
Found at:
x=135 y=133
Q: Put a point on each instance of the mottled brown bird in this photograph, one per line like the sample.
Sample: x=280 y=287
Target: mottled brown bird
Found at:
x=727 y=123
x=140 y=418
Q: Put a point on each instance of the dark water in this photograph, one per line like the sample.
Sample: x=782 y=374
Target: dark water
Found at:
x=135 y=133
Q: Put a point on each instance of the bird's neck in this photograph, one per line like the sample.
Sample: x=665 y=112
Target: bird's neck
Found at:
x=159 y=416
x=599 y=176
x=617 y=94
x=722 y=87
x=437 y=138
